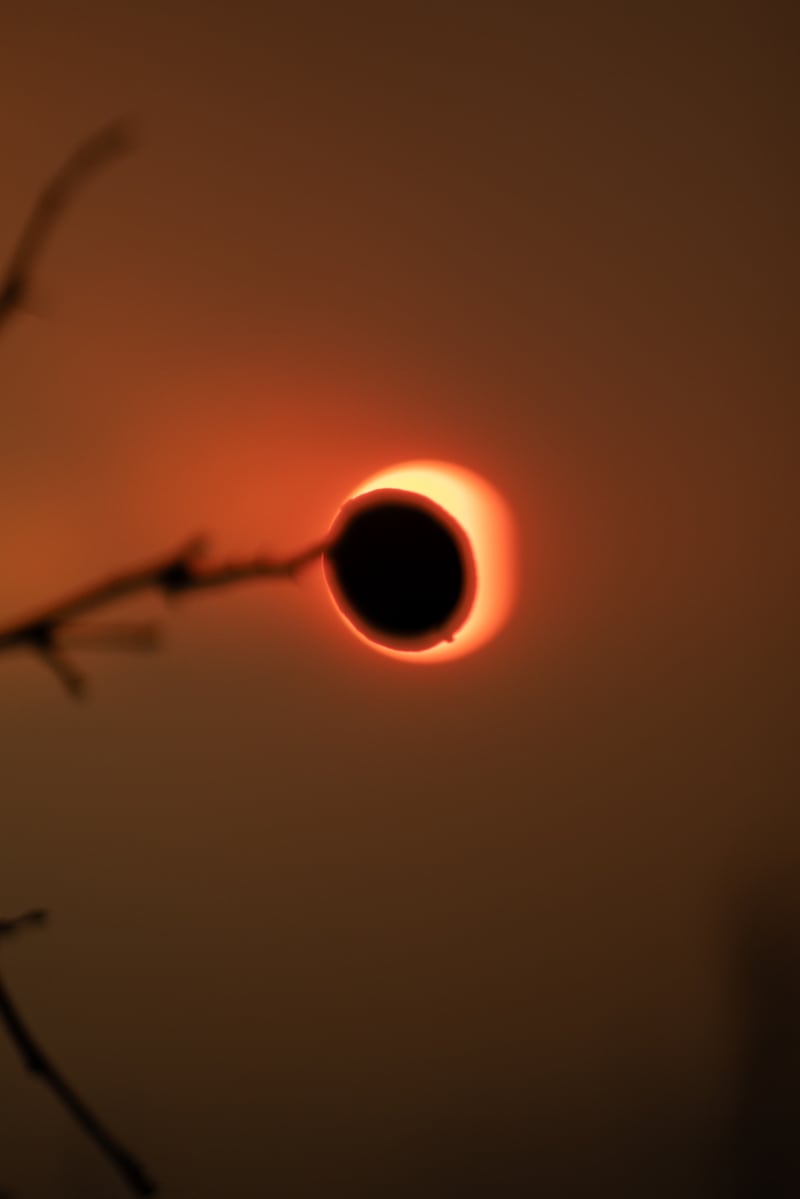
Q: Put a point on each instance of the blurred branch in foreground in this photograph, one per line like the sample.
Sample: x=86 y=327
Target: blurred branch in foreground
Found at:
x=56 y=628
x=765 y=1131
x=38 y=1063
x=90 y=156
x=52 y=631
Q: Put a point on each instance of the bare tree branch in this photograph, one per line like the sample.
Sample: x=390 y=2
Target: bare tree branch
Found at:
x=42 y=634
x=91 y=156
x=38 y=1063
x=50 y=631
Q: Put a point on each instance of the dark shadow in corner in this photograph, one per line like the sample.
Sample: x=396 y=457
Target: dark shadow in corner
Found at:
x=764 y=1139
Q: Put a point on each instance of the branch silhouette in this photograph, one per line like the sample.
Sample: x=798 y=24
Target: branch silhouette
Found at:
x=764 y=1127
x=35 y=1059
x=91 y=156
x=60 y=627
x=54 y=630
x=50 y=632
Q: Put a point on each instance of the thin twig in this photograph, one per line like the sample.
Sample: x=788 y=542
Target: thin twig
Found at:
x=49 y=631
x=15 y=284
x=89 y=157
x=39 y=1063
x=35 y=916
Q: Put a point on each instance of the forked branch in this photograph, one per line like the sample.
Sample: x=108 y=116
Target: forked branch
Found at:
x=15 y=285
x=46 y=633
x=61 y=626
x=58 y=628
x=50 y=632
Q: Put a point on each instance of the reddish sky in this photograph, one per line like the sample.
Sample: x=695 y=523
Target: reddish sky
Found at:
x=324 y=923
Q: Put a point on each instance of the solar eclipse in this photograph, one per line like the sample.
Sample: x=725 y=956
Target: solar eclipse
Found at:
x=420 y=562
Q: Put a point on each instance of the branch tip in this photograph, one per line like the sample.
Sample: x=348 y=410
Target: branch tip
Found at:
x=106 y=144
x=34 y=916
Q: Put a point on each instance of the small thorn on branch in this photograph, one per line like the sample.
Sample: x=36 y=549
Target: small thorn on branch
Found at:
x=73 y=679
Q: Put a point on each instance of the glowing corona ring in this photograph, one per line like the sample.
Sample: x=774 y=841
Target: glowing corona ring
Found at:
x=478 y=523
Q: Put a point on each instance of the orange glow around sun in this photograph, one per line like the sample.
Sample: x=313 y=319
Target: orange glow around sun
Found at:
x=486 y=521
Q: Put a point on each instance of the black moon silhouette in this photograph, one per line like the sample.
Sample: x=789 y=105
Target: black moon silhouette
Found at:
x=400 y=568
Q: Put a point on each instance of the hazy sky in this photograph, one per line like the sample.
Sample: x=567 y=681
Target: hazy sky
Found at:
x=324 y=923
